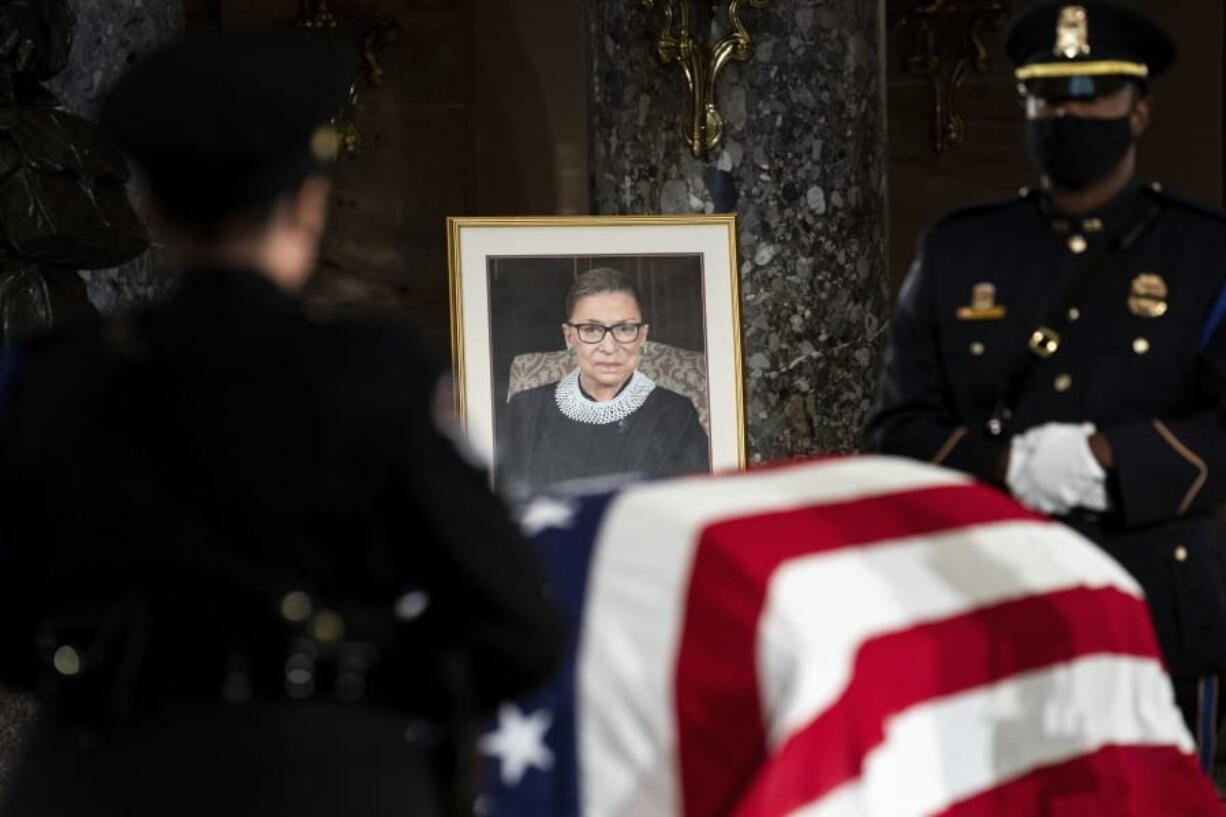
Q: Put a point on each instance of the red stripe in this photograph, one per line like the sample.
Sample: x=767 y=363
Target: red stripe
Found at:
x=719 y=722
x=899 y=670
x=1116 y=781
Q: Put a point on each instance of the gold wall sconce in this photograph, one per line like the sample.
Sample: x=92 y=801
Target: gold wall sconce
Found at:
x=315 y=14
x=700 y=61
x=948 y=45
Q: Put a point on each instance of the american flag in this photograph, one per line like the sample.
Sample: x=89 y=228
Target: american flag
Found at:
x=861 y=637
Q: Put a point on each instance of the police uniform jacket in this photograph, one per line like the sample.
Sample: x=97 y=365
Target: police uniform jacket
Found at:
x=205 y=458
x=1141 y=357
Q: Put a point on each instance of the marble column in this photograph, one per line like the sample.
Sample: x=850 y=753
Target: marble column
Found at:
x=109 y=36
x=803 y=164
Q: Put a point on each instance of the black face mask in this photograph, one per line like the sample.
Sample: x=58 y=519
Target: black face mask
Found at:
x=1074 y=151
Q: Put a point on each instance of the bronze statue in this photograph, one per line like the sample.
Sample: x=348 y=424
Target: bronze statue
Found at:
x=63 y=204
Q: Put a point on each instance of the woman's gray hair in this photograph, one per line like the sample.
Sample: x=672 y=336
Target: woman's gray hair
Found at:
x=596 y=281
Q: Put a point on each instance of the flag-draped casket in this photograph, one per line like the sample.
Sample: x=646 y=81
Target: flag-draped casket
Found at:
x=857 y=637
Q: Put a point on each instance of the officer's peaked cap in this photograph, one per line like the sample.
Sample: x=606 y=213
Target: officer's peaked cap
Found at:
x=227 y=119
x=1060 y=40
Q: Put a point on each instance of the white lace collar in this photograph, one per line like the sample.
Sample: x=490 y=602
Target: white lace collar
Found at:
x=572 y=402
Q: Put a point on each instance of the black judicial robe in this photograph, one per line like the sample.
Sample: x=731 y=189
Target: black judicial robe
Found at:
x=539 y=446
x=199 y=458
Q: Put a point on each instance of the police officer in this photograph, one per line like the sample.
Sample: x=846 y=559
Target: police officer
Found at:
x=1067 y=343
x=236 y=544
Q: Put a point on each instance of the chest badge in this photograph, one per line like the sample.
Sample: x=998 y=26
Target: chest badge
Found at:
x=1147 y=296
x=983 y=305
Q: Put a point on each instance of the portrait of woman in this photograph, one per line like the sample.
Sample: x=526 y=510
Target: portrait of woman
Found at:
x=605 y=416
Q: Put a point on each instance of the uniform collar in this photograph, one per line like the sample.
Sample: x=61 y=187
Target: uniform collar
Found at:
x=233 y=289
x=1104 y=220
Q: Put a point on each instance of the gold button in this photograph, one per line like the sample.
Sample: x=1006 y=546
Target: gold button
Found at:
x=1074 y=313
x=1092 y=225
x=1077 y=244
x=328 y=627
x=1064 y=382
x=296 y=606
x=1140 y=346
x=977 y=348
x=67 y=661
x=1181 y=554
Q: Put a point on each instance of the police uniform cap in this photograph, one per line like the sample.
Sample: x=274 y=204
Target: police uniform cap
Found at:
x=225 y=121
x=1085 y=50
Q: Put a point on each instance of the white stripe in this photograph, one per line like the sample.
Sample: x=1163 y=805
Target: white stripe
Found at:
x=948 y=750
x=636 y=600
x=821 y=608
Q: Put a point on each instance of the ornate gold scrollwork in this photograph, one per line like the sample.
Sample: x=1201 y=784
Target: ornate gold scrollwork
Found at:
x=316 y=14
x=935 y=24
x=701 y=65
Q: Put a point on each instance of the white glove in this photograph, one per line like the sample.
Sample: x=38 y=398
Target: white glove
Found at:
x=1052 y=470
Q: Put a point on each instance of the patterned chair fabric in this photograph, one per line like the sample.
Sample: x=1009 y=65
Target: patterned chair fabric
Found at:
x=680 y=370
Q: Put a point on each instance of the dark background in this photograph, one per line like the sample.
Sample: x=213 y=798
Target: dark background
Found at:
x=1183 y=149
x=484 y=112
x=528 y=295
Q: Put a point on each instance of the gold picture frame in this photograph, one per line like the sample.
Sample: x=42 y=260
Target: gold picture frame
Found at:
x=507 y=276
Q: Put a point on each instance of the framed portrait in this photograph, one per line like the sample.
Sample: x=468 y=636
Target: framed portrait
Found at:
x=597 y=348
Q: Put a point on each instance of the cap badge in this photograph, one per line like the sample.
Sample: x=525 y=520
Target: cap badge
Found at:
x=1073 y=32
x=325 y=144
x=1147 y=296
x=983 y=304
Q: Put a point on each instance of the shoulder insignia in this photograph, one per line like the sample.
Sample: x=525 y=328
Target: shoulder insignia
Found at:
x=961 y=214
x=1168 y=199
x=983 y=208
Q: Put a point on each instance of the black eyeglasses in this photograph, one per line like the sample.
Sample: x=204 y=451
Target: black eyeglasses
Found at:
x=593 y=333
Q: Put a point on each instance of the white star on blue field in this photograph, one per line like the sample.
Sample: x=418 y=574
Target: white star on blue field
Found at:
x=519 y=743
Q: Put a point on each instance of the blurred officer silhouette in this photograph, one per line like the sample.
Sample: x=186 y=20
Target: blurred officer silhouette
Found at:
x=240 y=558
x=1068 y=345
